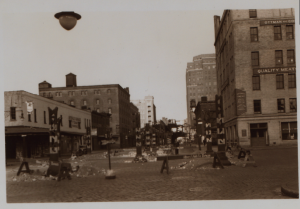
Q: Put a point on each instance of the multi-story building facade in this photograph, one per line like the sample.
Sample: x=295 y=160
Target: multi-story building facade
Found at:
x=200 y=80
x=100 y=127
x=112 y=99
x=256 y=72
x=27 y=125
x=147 y=110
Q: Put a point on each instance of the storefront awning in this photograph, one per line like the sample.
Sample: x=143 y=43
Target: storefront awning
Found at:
x=26 y=130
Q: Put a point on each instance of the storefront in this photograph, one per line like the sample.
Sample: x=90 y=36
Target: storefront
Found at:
x=289 y=131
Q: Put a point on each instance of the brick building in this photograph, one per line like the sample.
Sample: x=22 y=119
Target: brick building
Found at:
x=200 y=80
x=147 y=110
x=112 y=99
x=256 y=75
x=100 y=127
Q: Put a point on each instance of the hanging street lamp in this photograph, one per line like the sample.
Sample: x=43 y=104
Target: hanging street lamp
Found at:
x=67 y=20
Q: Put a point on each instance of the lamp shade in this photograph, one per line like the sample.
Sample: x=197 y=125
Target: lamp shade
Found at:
x=67 y=20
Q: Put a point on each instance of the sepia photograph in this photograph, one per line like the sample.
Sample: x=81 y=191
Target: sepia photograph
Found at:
x=168 y=103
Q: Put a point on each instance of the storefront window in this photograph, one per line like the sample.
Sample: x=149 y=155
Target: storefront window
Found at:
x=289 y=131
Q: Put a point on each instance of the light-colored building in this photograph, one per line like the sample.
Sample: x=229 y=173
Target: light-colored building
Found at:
x=256 y=72
x=27 y=125
x=200 y=80
x=147 y=110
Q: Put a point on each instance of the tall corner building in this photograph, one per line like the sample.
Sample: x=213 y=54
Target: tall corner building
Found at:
x=147 y=110
x=256 y=72
x=200 y=80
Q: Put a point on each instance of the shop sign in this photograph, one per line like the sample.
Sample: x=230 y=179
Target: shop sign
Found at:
x=240 y=98
x=277 y=22
x=274 y=70
x=94 y=132
x=74 y=121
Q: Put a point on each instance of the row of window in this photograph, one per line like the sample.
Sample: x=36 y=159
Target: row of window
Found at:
x=277 y=33
x=84 y=102
x=280 y=105
x=83 y=93
x=278 y=57
x=279 y=81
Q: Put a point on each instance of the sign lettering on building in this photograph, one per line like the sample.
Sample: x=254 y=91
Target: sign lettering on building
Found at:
x=275 y=70
x=277 y=22
x=240 y=98
x=74 y=121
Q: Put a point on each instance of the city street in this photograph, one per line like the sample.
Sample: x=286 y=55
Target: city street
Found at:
x=144 y=182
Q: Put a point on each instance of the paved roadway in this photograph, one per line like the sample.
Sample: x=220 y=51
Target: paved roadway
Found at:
x=143 y=182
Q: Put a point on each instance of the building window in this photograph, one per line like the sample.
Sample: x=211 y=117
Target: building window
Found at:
x=254 y=34
x=293 y=105
x=256 y=82
x=277 y=32
x=70 y=124
x=70 y=93
x=280 y=105
x=12 y=113
x=79 y=125
x=61 y=123
x=278 y=57
x=45 y=117
x=255 y=58
x=252 y=13
x=289 y=131
x=83 y=93
x=108 y=91
x=35 y=115
x=289 y=32
x=29 y=117
x=72 y=103
x=98 y=110
x=279 y=81
x=290 y=56
x=257 y=106
x=292 y=80
x=109 y=110
x=84 y=103
x=97 y=92
x=97 y=101
x=58 y=94
x=109 y=101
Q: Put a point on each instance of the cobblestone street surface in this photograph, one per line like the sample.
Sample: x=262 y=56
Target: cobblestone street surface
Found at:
x=144 y=182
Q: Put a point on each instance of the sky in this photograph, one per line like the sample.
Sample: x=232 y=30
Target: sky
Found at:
x=141 y=44
x=145 y=47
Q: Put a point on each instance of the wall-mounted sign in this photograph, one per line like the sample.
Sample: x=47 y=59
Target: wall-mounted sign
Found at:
x=277 y=22
x=240 y=98
x=94 y=132
x=74 y=121
x=274 y=70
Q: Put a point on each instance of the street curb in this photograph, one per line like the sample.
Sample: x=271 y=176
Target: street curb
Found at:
x=289 y=192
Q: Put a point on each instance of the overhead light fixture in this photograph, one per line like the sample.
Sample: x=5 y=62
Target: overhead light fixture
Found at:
x=67 y=20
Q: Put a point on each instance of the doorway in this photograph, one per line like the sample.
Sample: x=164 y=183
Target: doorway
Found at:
x=258 y=133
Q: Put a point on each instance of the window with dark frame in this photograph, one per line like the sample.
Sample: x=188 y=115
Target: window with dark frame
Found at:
x=254 y=34
x=252 y=13
x=256 y=82
x=79 y=126
x=257 y=106
x=291 y=56
x=280 y=81
x=70 y=124
x=35 y=115
x=280 y=105
x=45 y=122
x=292 y=80
x=277 y=32
x=61 y=120
x=289 y=32
x=13 y=113
x=293 y=105
x=29 y=117
x=278 y=57
x=255 y=58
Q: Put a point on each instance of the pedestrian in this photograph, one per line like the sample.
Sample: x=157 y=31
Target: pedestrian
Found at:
x=204 y=142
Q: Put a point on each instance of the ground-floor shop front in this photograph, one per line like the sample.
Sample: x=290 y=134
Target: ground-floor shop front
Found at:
x=262 y=131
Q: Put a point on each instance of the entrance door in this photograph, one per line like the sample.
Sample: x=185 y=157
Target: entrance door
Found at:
x=258 y=134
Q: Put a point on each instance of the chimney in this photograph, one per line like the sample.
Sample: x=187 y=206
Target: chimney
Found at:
x=204 y=99
x=217 y=24
x=71 y=80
